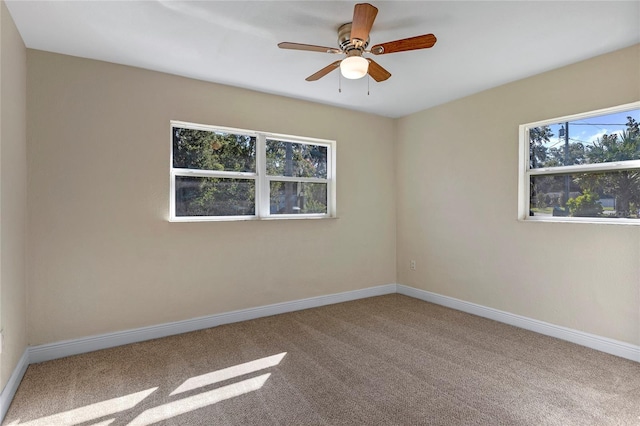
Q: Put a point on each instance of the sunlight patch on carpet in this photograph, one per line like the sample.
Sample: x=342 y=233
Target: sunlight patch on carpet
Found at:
x=191 y=403
x=92 y=411
x=99 y=411
x=229 y=373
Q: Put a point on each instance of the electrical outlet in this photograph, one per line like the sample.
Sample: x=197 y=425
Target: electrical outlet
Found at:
x=412 y=265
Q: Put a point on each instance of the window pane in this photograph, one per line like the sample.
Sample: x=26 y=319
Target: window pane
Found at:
x=298 y=197
x=204 y=196
x=296 y=159
x=610 y=194
x=600 y=139
x=208 y=150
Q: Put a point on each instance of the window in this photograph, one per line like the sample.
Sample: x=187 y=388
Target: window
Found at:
x=231 y=174
x=582 y=168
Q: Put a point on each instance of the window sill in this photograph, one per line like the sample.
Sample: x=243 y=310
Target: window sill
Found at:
x=249 y=218
x=589 y=220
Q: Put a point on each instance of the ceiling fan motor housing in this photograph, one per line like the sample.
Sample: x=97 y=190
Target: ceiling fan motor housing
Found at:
x=344 y=41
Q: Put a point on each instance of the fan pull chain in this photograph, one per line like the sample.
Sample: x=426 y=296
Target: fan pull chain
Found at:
x=339 y=82
x=368 y=81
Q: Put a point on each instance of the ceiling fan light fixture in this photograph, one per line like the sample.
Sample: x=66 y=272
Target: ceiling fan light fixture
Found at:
x=354 y=67
x=353 y=40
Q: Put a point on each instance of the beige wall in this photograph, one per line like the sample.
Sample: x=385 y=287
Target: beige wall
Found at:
x=13 y=183
x=457 y=173
x=102 y=255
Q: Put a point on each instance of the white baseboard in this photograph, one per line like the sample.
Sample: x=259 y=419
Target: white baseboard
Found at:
x=47 y=352
x=12 y=385
x=61 y=349
x=603 y=344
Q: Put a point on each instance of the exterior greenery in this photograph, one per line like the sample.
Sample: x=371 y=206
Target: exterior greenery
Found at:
x=296 y=160
x=583 y=194
x=585 y=205
x=206 y=150
x=215 y=173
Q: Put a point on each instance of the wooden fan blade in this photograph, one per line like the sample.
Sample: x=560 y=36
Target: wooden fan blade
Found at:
x=363 y=16
x=324 y=71
x=308 y=47
x=377 y=72
x=412 y=43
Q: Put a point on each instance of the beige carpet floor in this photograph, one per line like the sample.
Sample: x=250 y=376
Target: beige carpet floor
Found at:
x=388 y=360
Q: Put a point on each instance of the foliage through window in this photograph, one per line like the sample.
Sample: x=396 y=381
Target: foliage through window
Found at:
x=219 y=173
x=582 y=168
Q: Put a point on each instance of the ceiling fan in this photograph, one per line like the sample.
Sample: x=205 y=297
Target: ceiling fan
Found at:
x=353 y=40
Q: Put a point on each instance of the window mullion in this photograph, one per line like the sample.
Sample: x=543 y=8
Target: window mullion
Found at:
x=331 y=177
x=581 y=168
x=297 y=179
x=213 y=173
x=262 y=188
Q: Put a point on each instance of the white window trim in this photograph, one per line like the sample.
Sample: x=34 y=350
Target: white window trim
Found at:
x=262 y=201
x=525 y=172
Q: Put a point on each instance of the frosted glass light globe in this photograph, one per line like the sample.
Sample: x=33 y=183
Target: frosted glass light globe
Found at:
x=354 y=67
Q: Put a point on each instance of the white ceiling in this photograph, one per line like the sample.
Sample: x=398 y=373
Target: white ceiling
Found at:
x=481 y=44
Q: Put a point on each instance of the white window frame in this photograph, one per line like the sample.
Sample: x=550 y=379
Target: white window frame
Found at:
x=262 y=180
x=526 y=172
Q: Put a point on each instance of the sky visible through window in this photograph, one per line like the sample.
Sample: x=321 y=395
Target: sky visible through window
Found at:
x=588 y=130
